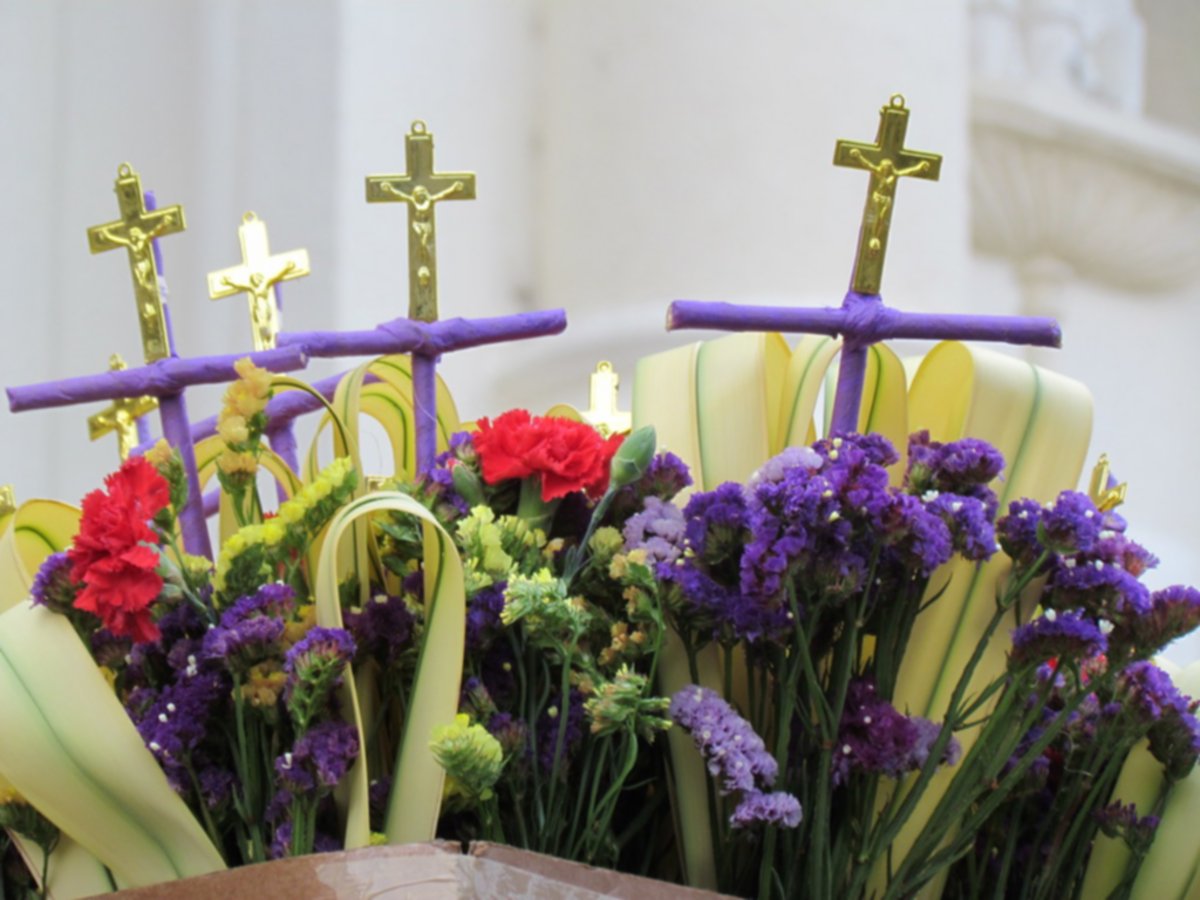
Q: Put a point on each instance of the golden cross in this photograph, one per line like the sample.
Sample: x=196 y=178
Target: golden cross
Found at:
x=135 y=231
x=421 y=188
x=257 y=276
x=602 y=412
x=888 y=161
x=1106 y=495
x=121 y=417
x=8 y=500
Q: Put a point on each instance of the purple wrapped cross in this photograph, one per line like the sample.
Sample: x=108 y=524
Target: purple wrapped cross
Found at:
x=165 y=375
x=863 y=319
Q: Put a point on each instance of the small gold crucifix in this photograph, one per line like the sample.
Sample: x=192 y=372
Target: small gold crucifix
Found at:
x=602 y=412
x=257 y=276
x=135 y=231
x=421 y=187
x=888 y=161
x=121 y=416
x=8 y=500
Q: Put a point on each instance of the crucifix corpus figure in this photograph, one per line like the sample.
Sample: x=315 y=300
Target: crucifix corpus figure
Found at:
x=257 y=277
x=135 y=231
x=420 y=188
x=122 y=416
x=888 y=161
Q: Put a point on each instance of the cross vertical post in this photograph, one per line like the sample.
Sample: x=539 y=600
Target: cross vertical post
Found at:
x=421 y=188
x=863 y=319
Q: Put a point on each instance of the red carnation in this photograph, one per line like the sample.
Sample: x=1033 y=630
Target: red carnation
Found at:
x=109 y=557
x=567 y=455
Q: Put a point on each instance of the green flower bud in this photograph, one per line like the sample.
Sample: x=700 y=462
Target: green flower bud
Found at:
x=468 y=485
x=633 y=457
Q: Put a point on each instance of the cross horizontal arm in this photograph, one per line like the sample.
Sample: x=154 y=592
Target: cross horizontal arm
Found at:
x=428 y=339
x=158 y=379
x=874 y=323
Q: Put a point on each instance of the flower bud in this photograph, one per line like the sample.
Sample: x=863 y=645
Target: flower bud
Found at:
x=468 y=485
x=632 y=458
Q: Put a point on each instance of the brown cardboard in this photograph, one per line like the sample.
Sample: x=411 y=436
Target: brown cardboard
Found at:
x=416 y=872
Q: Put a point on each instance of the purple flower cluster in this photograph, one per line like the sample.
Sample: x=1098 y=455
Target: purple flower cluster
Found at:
x=1150 y=696
x=483 y=616
x=319 y=651
x=963 y=467
x=382 y=629
x=1119 y=820
x=658 y=529
x=736 y=756
x=175 y=722
x=1173 y=612
x=250 y=631
x=1066 y=635
x=874 y=737
x=734 y=753
x=665 y=477
x=1071 y=525
x=52 y=586
x=547 y=732
x=319 y=759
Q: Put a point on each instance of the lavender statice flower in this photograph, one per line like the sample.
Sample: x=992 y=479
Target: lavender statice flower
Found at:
x=963 y=467
x=216 y=786
x=658 y=529
x=328 y=749
x=917 y=539
x=483 y=615
x=314 y=667
x=1119 y=820
x=510 y=732
x=382 y=629
x=1173 y=612
x=970 y=524
x=777 y=808
x=1071 y=525
x=52 y=586
x=1017 y=532
x=665 y=477
x=715 y=524
x=732 y=750
x=1063 y=636
x=548 y=725
x=178 y=719
x=775 y=467
x=244 y=644
x=1153 y=699
x=874 y=737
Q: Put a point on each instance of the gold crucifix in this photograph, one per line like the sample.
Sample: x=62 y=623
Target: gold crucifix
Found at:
x=135 y=231
x=257 y=276
x=8 y=500
x=888 y=161
x=1106 y=494
x=421 y=187
x=121 y=417
x=602 y=412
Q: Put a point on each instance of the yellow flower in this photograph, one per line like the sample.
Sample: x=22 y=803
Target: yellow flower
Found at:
x=471 y=757
x=159 y=455
x=257 y=380
x=233 y=429
x=264 y=684
x=291 y=512
x=273 y=532
x=294 y=631
x=232 y=462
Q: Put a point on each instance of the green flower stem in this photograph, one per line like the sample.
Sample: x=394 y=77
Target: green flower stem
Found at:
x=249 y=806
x=205 y=814
x=531 y=508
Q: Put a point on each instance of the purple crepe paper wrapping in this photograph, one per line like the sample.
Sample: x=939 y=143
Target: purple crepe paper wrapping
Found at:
x=862 y=320
x=157 y=379
x=427 y=339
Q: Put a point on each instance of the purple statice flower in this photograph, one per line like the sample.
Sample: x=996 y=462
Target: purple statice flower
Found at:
x=378 y=793
x=963 y=467
x=276 y=600
x=715 y=524
x=483 y=616
x=726 y=614
x=1173 y=612
x=244 y=644
x=874 y=737
x=52 y=586
x=314 y=667
x=1071 y=525
x=1153 y=699
x=281 y=841
x=665 y=477
x=917 y=539
x=876 y=450
x=732 y=750
x=179 y=718
x=319 y=650
x=382 y=629
x=1017 y=532
x=1065 y=636
x=547 y=733
x=328 y=749
x=475 y=699
x=658 y=529
x=777 y=808
x=216 y=786
x=1119 y=820
x=970 y=524
x=775 y=467
x=510 y=732
x=108 y=650
x=1100 y=585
